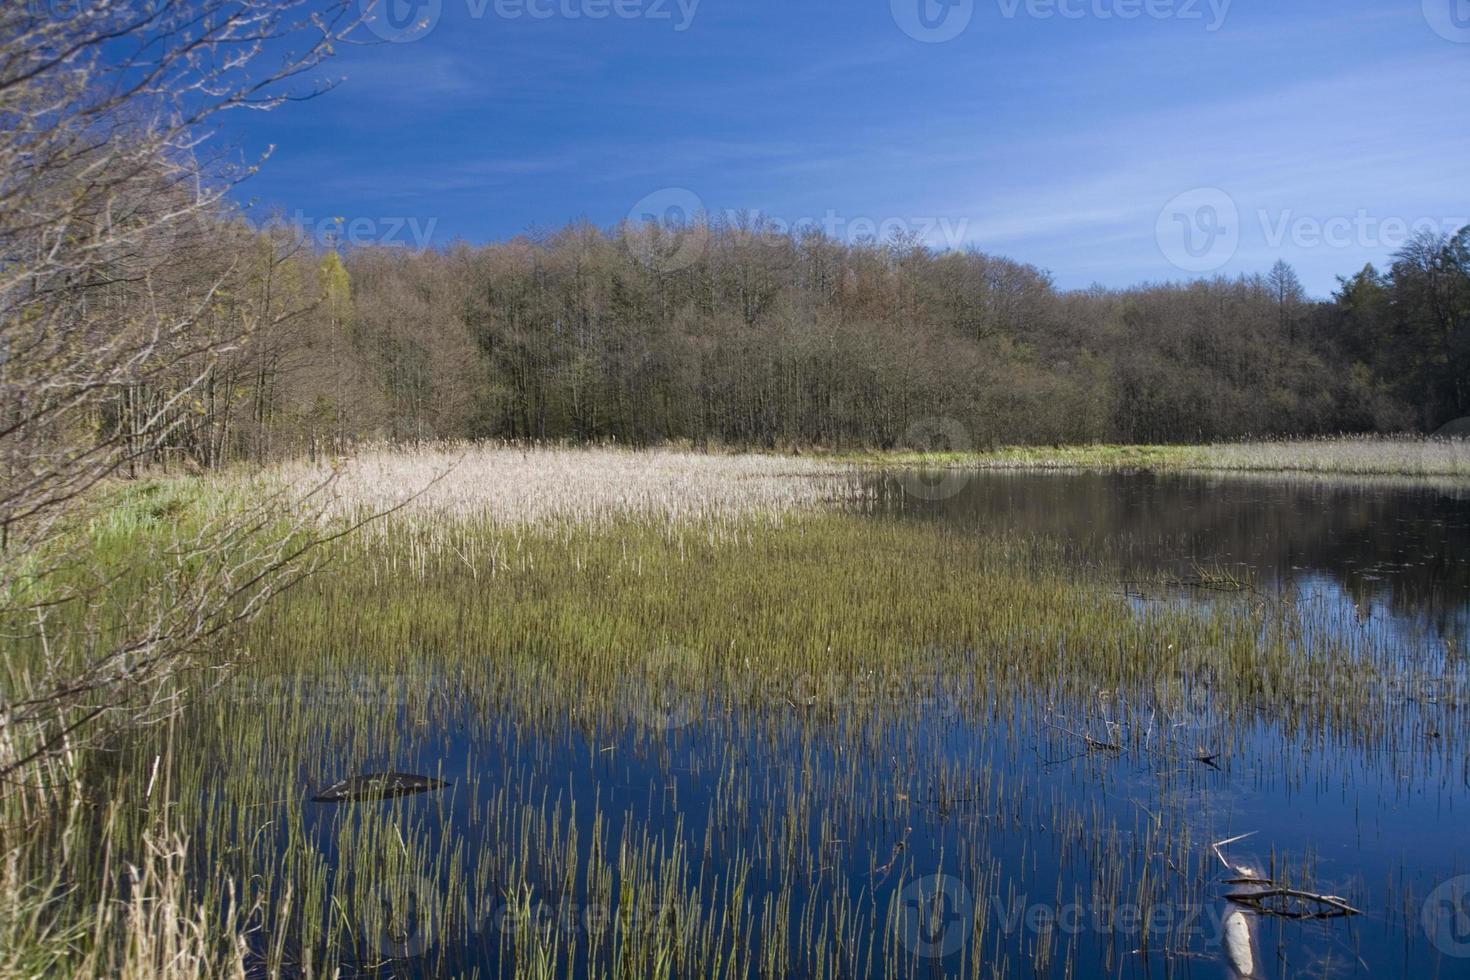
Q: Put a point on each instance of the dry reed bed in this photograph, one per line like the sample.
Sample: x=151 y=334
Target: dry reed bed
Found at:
x=1383 y=456
x=506 y=485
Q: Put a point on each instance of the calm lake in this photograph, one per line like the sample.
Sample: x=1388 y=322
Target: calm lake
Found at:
x=985 y=822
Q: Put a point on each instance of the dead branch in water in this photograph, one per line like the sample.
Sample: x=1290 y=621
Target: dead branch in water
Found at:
x=1263 y=889
x=1256 y=901
x=1088 y=740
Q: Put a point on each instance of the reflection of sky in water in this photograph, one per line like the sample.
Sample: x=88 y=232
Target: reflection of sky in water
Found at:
x=1367 y=828
x=1326 y=609
x=1330 y=607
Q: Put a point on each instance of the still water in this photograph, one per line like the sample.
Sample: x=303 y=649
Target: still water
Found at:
x=1395 y=557
x=1035 y=836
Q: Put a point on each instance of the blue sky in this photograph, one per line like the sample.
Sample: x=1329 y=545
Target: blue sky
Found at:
x=1108 y=141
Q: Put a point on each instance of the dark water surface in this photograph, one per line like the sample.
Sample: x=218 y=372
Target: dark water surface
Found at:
x=948 y=843
x=1382 y=552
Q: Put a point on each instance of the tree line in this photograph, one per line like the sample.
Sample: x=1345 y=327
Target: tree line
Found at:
x=730 y=334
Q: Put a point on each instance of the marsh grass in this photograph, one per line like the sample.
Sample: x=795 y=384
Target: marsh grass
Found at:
x=1417 y=457
x=708 y=736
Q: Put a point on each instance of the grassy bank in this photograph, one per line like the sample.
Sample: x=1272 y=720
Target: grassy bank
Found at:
x=1349 y=456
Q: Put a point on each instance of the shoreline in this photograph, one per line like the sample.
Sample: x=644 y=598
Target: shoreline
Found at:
x=1393 y=458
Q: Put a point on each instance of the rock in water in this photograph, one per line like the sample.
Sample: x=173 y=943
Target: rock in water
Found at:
x=378 y=786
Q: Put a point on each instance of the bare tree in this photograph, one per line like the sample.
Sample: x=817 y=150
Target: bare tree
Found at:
x=110 y=296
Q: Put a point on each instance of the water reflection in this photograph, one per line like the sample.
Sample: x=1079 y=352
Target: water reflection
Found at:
x=1392 y=557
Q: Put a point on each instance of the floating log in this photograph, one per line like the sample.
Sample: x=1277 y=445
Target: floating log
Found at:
x=378 y=786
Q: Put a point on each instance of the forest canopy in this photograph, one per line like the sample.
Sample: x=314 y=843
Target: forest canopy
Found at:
x=732 y=334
